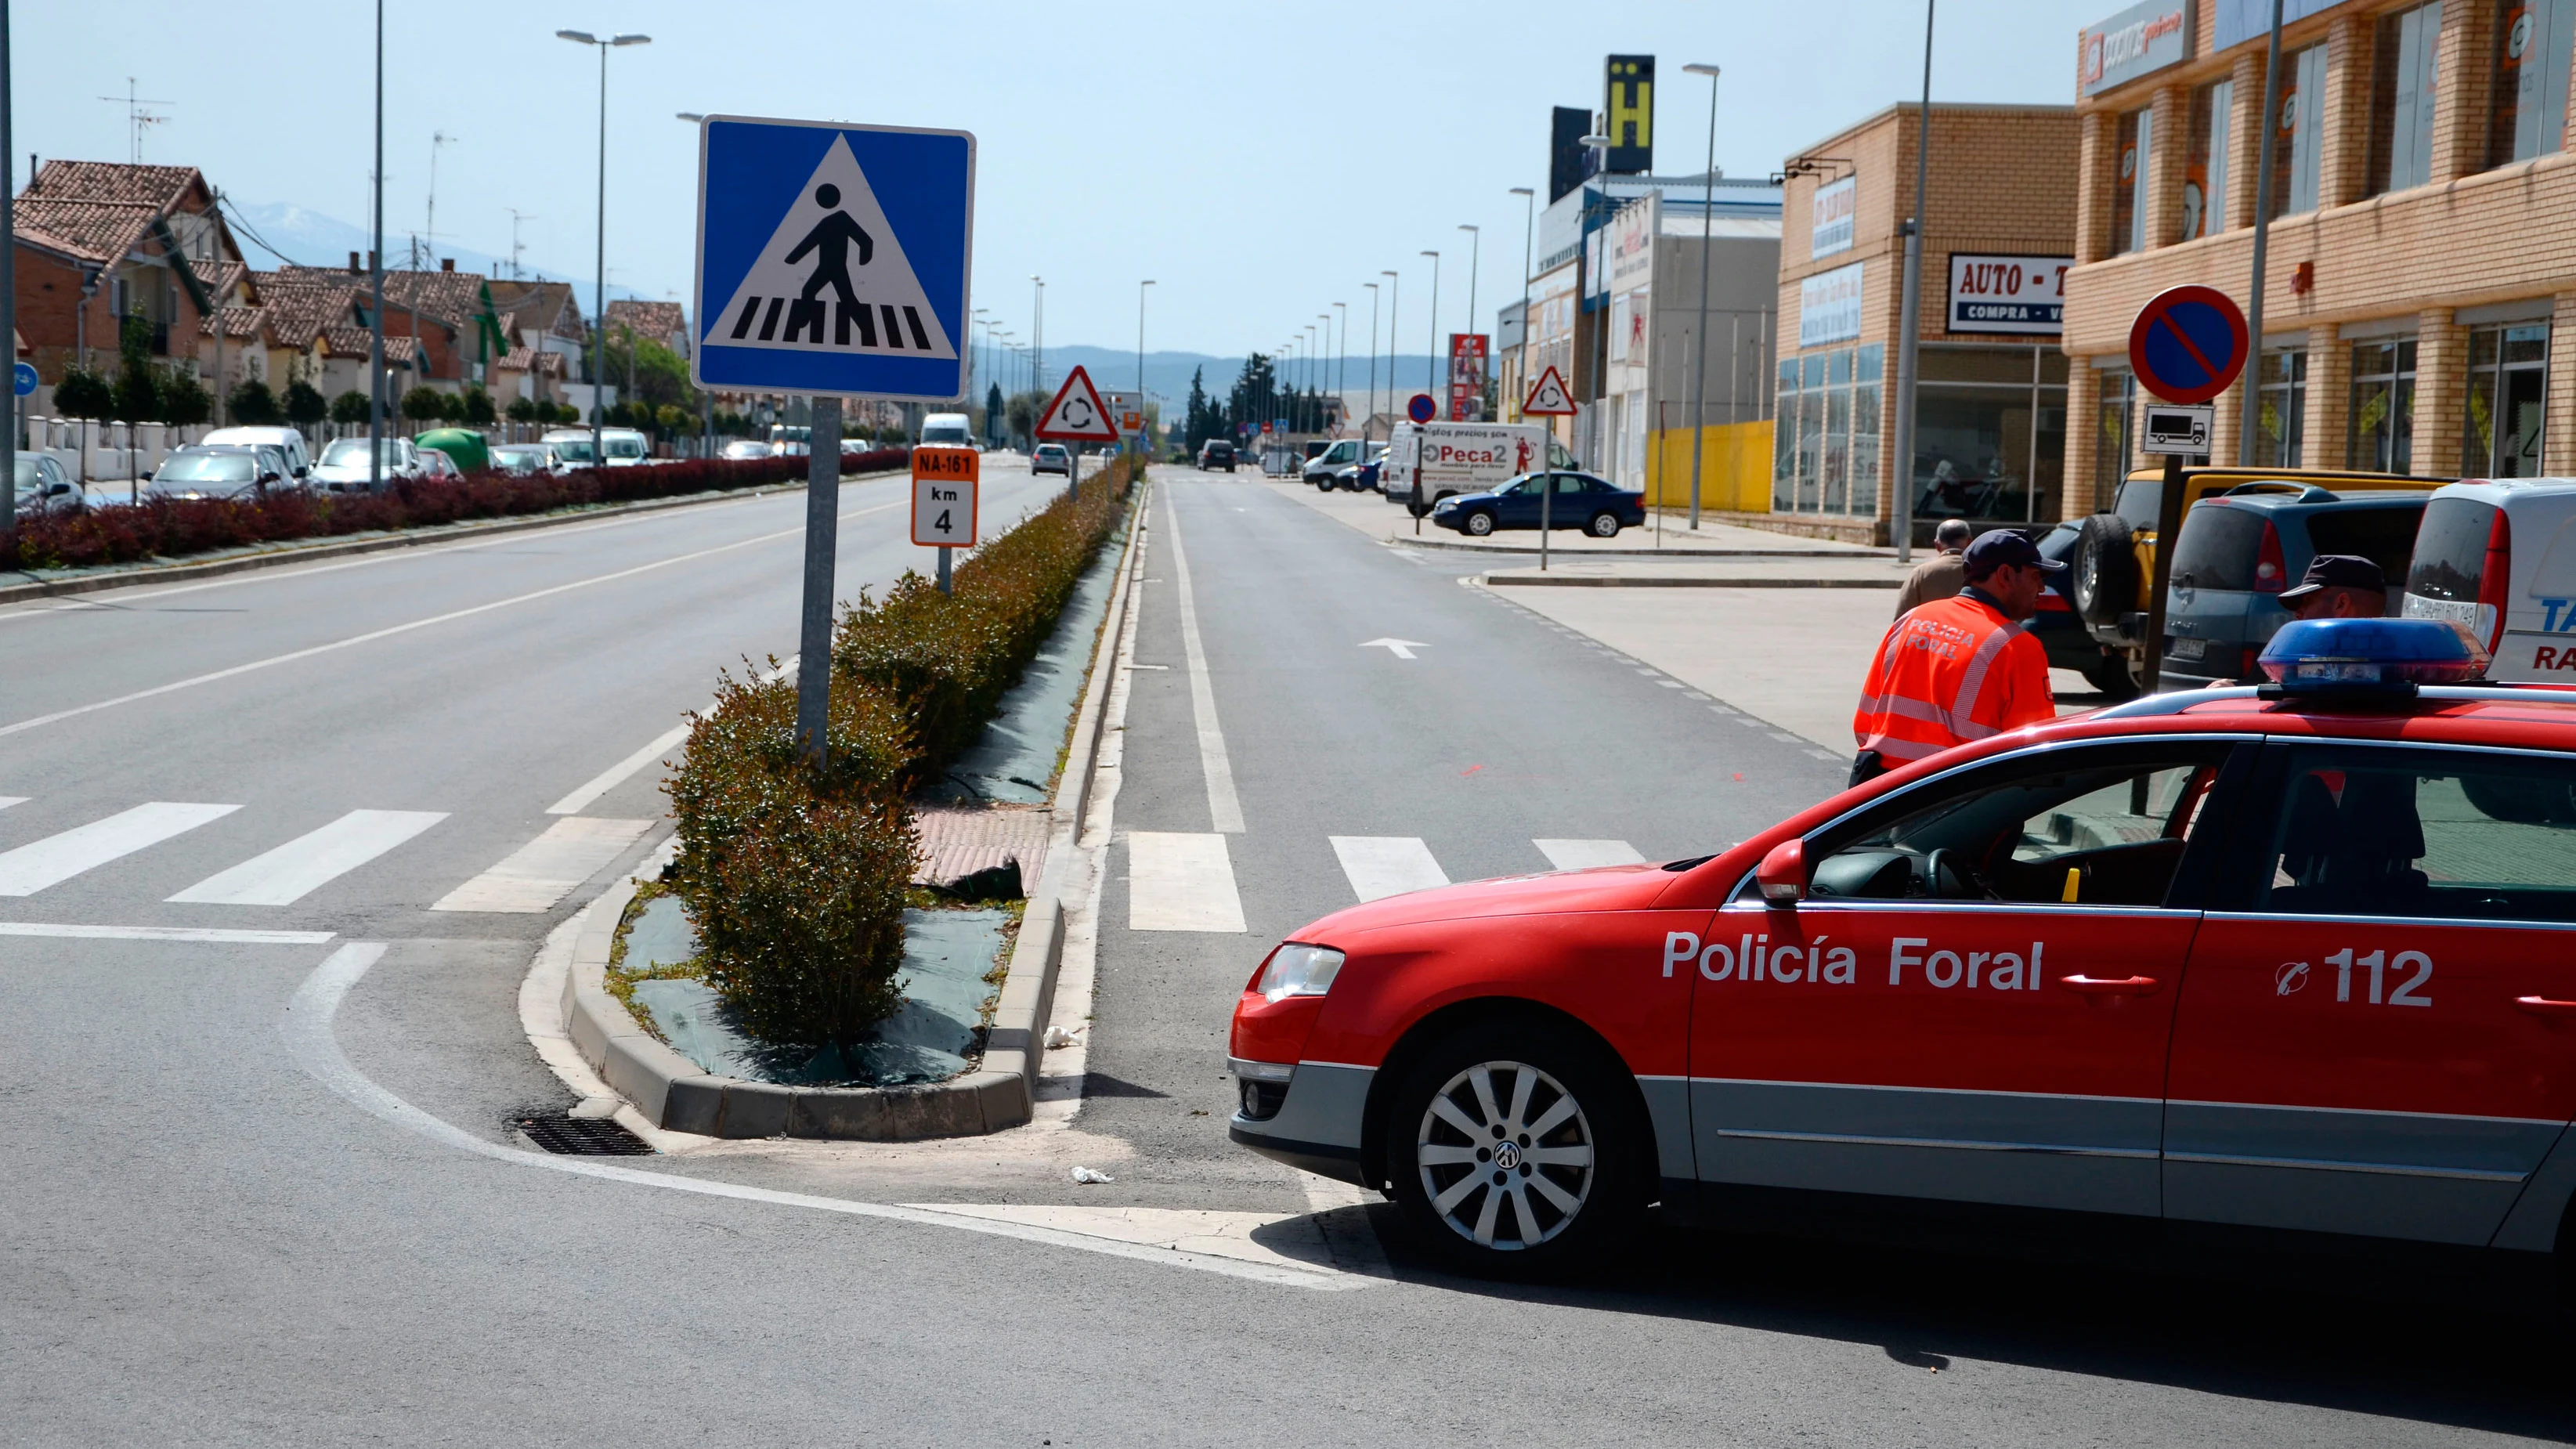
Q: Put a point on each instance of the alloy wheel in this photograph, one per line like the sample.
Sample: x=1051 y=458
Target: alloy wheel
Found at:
x=1506 y=1156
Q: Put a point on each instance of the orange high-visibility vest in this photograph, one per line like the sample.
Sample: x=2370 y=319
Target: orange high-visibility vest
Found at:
x=1951 y=671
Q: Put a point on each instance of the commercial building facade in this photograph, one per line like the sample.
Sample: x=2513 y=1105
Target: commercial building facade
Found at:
x=2420 y=288
x=1991 y=410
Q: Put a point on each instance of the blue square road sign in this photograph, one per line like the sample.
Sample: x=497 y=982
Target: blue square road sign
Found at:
x=833 y=259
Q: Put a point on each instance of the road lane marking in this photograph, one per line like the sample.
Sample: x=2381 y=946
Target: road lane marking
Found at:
x=545 y=870
x=1582 y=854
x=56 y=858
x=306 y=1028
x=292 y=871
x=1400 y=648
x=164 y=933
x=1387 y=865
x=8 y=800
x=1180 y=882
x=1225 y=812
x=615 y=775
x=390 y=631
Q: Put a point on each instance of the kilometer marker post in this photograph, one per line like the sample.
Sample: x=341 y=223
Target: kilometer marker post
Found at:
x=946 y=495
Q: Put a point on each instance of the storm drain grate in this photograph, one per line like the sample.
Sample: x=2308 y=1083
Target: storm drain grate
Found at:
x=580 y=1136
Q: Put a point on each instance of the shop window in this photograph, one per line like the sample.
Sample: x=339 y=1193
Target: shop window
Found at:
x=2508 y=387
x=2533 y=38
x=2382 y=437
x=2111 y=449
x=1990 y=450
x=2129 y=194
x=2401 y=98
x=1825 y=436
x=1864 y=432
x=2204 y=165
x=2280 y=433
x=2298 y=131
x=1784 y=438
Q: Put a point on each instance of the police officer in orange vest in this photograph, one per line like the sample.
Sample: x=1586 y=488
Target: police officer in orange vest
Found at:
x=1960 y=668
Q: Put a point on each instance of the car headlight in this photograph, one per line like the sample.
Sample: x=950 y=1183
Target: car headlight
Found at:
x=1296 y=969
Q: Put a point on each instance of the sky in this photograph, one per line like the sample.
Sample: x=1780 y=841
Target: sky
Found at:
x=1258 y=163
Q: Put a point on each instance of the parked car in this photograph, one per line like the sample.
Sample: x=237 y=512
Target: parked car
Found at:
x=1051 y=458
x=44 y=487
x=2496 y=559
x=1595 y=505
x=522 y=459
x=201 y=472
x=626 y=448
x=290 y=441
x=2238 y=551
x=1215 y=454
x=435 y=463
x=343 y=465
x=743 y=449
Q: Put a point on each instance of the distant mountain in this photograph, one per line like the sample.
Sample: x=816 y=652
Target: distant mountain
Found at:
x=281 y=232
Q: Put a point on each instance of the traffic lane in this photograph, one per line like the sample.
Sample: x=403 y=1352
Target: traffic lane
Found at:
x=1497 y=734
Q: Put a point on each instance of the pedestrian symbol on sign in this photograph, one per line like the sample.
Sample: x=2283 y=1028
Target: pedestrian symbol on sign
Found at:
x=803 y=278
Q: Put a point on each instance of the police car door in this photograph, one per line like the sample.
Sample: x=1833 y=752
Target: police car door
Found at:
x=1973 y=1001
x=2379 y=1031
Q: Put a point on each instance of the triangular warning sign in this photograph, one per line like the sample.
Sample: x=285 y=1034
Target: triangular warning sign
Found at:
x=1548 y=399
x=1078 y=415
x=833 y=278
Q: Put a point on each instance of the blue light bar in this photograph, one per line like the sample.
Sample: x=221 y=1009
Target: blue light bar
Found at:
x=2327 y=654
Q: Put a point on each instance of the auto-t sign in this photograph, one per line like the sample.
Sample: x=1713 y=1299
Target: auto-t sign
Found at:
x=2188 y=344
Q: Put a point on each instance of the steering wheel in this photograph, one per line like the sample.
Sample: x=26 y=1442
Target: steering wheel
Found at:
x=1952 y=878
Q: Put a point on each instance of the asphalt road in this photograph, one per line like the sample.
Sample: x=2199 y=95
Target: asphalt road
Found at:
x=264 y=1192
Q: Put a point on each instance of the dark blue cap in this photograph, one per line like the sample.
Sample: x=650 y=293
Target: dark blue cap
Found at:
x=2001 y=548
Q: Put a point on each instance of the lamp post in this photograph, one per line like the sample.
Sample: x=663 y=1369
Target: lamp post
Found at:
x=1588 y=426
x=1909 y=305
x=706 y=397
x=1342 y=362
x=2246 y=435
x=1431 y=364
x=599 y=281
x=376 y=274
x=1037 y=335
x=1371 y=415
x=1699 y=363
x=1394 y=300
x=9 y=295
x=1529 y=324
x=1140 y=363
x=1475 y=260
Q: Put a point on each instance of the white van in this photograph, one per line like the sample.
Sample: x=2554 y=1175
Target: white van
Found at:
x=2498 y=558
x=289 y=441
x=1465 y=458
x=625 y=447
x=955 y=430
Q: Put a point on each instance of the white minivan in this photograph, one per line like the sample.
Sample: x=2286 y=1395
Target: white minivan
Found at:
x=2498 y=558
x=625 y=447
x=289 y=441
x=954 y=430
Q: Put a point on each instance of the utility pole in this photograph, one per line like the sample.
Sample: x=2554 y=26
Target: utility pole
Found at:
x=1431 y=364
x=1370 y=416
x=1394 y=299
x=1037 y=338
x=1475 y=261
x=599 y=281
x=9 y=286
x=376 y=281
x=1908 y=319
x=1342 y=366
x=1140 y=365
x=1529 y=324
x=1699 y=365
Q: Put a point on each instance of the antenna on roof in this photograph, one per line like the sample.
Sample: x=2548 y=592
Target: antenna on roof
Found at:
x=136 y=118
x=517 y=273
x=429 y=224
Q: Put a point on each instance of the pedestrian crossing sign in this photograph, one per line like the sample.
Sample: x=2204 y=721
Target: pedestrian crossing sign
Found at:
x=833 y=259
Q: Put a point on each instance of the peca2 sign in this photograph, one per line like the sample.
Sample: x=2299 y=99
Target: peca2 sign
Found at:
x=2137 y=41
x=2025 y=295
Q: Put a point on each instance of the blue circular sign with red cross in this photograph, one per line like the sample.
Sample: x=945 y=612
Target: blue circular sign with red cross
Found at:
x=1422 y=409
x=2188 y=344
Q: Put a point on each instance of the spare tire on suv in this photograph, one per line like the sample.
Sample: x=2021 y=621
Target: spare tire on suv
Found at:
x=2103 y=580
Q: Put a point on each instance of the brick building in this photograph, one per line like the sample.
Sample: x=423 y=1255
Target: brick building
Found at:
x=2422 y=257
x=99 y=241
x=1990 y=422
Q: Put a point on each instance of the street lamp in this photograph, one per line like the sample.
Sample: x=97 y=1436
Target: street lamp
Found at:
x=1431 y=364
x=1907 y=322
x=1140 y=363
x=1037 y=336
x=1394 y=297
x=599 y=280
x=1342 y=362
x=1371 y=415
x=1587 y=427
x=1699 y=365
x=1475 y=258
x=1529 y=324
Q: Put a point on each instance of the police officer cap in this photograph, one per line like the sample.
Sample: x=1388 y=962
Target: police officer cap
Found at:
x=2338 y=571
x=2003 y=548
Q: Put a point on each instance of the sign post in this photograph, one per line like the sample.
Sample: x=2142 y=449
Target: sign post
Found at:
x=1076 y=416
x=1547 y=399
x=833 y=261
x=946 y=499
x=2186 y=346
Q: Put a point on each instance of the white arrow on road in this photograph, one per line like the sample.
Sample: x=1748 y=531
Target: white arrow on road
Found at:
x=1400 y=648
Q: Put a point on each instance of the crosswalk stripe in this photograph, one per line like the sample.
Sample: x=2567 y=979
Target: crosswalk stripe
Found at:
x=1180 y=882
x=56 y=858
x=1581 y=854
x=1387 y=865
x=303 y=865
x=8 y=800
x=548 y=868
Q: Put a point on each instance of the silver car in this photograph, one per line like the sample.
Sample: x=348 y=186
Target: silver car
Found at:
x=43 y=487
x=201 y=473
x=343 y=468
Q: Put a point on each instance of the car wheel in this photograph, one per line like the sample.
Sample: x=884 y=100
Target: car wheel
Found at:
x=1479 y=523
x=1603 y=525
x=1512 y=1151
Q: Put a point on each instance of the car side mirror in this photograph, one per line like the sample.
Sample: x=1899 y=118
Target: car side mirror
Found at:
x=58 y=490
x=303 y=472
x=268 y=477
x=1782 y=874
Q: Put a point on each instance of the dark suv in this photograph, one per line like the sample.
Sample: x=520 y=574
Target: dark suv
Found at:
x=1214 y=454
x=2238 y=551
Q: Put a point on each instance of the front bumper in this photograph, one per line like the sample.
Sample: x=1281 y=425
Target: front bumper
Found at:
x=1316 y=1123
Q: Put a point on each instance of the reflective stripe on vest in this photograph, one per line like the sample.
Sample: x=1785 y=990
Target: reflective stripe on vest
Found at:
x=1953 y=717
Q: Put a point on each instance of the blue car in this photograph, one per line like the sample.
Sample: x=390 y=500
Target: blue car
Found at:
x=1595 y=505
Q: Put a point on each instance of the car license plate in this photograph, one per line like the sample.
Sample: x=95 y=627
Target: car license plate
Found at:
x=2187 y=649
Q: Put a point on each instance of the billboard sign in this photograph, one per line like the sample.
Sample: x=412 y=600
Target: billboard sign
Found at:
x=1567 y=162
x=2138 y=41
x=2024 y=295
x=1829 y=306
x=1628 y=114
x=1833 y=208
x=1468 y=356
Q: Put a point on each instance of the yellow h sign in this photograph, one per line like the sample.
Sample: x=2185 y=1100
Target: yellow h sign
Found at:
x=1628 y=113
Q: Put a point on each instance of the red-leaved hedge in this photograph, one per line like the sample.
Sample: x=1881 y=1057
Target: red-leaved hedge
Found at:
x=166 y=528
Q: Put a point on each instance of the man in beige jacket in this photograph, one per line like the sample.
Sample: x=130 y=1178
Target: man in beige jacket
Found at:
x=1943 y=574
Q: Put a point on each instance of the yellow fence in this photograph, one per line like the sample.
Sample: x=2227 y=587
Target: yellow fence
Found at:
x=1735 y=468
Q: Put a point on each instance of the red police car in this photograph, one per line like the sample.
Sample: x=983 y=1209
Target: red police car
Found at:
x=2290 y=958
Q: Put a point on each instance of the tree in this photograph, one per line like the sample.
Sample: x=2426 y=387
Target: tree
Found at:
x=1199 y=421
x=672 y=417
x=304 y=404
x=253 y=405
x=424 y=404
x=993 y=410
x=523 y=409
x=658 y=376
x=138 y=398
x=475 y=408
x=350 y=409
x=83 y=394
x=184 y=401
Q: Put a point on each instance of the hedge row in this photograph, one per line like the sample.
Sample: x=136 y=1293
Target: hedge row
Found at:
x=173 y=528
x=797 y=881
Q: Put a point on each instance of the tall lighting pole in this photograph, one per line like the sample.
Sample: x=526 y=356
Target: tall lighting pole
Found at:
x=599 y=280
x=1371 y=415
x=1909 y=323
x=2245 y=438
x=1475 y=263
x=1341 y=364
x=1037 y=336
x=1699 y=362
x=1140 y=364
x=1431 y=364
x=376 y=272
x=1394 y=299
x=1529 y=324
x=9 y=294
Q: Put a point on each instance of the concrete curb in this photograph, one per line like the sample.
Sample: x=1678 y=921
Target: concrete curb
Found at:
x=676 y=1094
x=1406 y=540
x=410 y=538
x=1667 y=581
